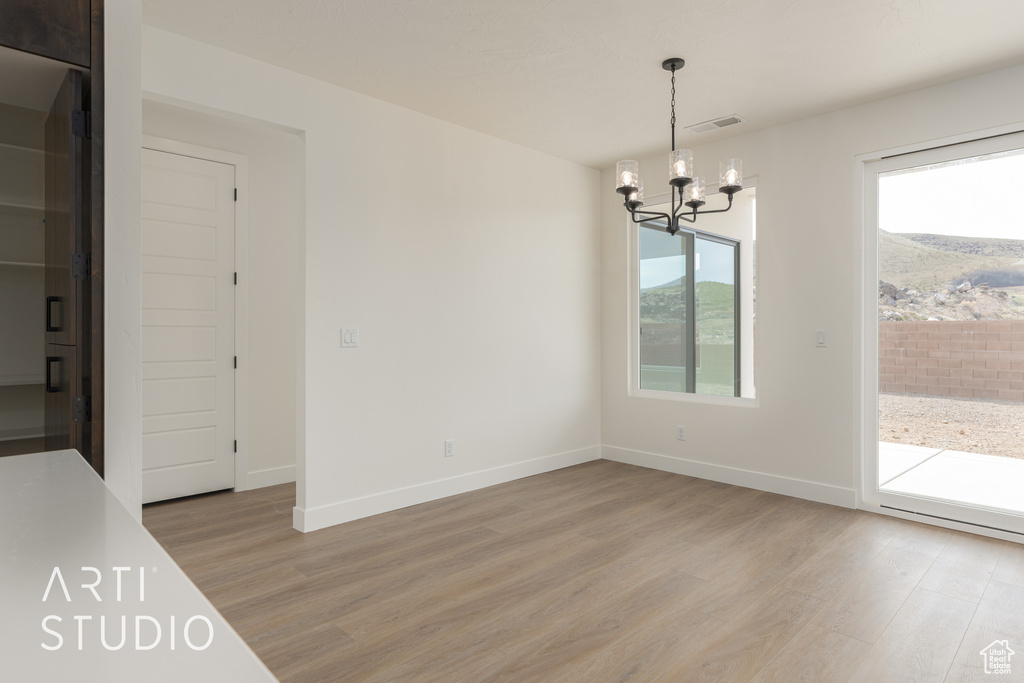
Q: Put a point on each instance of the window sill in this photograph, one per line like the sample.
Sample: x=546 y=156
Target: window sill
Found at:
x=696 y=398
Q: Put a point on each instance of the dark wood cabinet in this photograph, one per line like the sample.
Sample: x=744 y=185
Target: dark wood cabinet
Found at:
x=70 y=31
x=58 y=29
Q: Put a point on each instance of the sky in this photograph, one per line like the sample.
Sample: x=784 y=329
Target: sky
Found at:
x=664 y=269
x=661 y=270
x=970 y=198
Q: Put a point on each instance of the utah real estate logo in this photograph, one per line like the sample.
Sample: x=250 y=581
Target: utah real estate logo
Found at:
x=997 y=657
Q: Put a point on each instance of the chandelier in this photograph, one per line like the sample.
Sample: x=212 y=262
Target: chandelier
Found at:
x=687 y=189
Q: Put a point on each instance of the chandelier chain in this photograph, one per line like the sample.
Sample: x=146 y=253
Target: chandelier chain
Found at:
x=673 y=109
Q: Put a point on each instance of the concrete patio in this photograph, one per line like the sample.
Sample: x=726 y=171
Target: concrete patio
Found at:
x=986 y=481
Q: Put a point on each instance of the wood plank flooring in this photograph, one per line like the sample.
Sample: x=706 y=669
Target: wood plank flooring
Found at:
x=601 y=572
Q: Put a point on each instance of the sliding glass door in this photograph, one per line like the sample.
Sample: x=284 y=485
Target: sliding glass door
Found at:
x=945 y=406
x=716 y=304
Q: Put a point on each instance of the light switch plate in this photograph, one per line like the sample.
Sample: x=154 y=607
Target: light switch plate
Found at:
x=349 y=338
x=821 y=339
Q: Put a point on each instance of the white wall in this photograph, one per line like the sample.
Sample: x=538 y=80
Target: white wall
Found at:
x=122 y=250
x=469 y=265
x=803 y=437
x=274 y=195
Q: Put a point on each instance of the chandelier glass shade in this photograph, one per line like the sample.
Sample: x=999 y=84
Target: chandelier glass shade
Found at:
x=688 y=190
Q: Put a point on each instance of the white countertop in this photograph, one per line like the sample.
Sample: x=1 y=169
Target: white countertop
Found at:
x=56 y=513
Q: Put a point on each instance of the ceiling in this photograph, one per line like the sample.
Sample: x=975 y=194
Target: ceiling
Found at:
x=582 y=79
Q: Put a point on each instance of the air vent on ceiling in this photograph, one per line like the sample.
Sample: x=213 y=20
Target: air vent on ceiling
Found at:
x=715 y=124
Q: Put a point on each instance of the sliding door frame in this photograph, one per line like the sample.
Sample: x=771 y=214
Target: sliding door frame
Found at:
x=869 y=496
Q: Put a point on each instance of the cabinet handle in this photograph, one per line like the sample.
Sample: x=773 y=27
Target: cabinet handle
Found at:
x=50 y=301
x=52 y=376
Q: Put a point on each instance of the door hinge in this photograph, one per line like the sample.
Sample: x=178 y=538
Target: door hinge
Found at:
x=236 y=361
x=80 y=266
x=236 y=278
x=81 y=124
x=236 y=445
x=236 y=194
x=81 y=409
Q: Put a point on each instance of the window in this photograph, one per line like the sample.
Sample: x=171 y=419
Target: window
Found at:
x=695 y=324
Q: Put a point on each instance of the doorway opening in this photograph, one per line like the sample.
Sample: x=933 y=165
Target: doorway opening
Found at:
x=950 y=331
x=268 y=165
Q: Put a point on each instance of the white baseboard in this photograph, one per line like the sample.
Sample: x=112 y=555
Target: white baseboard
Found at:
x=271 y=477
x=311 y=519
x=797 y=488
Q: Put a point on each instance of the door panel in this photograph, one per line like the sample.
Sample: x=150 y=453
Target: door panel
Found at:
x=63 y=214
x=63 y=237
x=187 y=325
x=63 y=384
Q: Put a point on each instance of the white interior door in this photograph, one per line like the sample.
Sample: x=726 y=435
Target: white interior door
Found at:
x=188 y=340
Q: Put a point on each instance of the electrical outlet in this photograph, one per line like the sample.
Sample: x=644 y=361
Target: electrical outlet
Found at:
x=449 y=448
x=680 y=433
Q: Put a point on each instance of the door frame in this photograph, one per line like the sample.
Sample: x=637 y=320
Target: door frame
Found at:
x=869 y=497
x=241 y=383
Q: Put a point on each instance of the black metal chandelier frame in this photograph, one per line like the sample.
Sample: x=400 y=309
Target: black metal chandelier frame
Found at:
x=631 y=186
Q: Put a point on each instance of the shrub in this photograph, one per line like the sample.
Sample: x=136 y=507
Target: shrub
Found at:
x=995 y=277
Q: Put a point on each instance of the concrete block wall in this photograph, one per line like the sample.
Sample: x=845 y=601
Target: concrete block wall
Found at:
x=976 y=359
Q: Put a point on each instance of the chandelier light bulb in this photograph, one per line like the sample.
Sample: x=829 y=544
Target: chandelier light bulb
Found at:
x=730 y=174
x=636 y=199
x=680 y=167
x=627 y=176
x=695 y=193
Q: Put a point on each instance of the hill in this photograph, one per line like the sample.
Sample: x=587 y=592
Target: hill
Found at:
x=715 y=302
x=928 y=262
x=982 y=246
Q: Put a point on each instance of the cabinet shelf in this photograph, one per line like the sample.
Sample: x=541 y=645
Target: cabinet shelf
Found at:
x=19 y=434
x=21 y=380
x=20 y=205
x=22 y=264
x=22 y=148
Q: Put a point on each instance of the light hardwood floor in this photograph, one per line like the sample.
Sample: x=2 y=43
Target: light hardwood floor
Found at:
x=601 y=572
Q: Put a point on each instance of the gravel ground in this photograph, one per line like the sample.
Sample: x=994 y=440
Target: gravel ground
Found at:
x=974 y=425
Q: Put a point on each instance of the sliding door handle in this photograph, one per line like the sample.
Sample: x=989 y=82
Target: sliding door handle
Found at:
x=51 y=303
x=53 y=364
